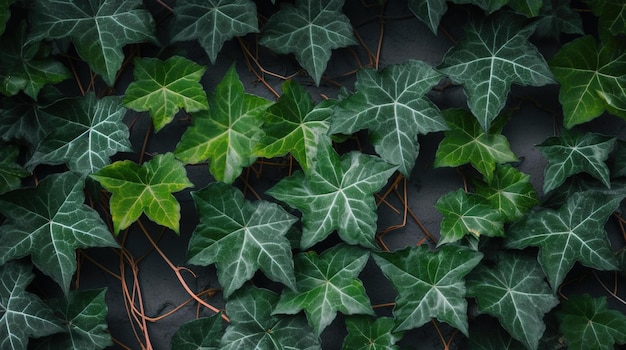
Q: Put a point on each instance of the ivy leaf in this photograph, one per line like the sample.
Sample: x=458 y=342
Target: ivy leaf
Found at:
x=99 y=29
x=144 y=188
x=492 y=337
x=587 y=323
x=495 y=53
x=200 y=334
x=227 y=133
x=429 y=284
x=584 y=71
x=253 y=326
x=162 y=87
x=5 y=13
x=465 y=213
x=11 y=173
x=367 y=333
x=529 y=8
x=573 y=153
x=510 y=191
x=466 y=142
x=574 y=232
x=241 y=237
x=295 y=125
x=336 y=194
x=490 y=6
x=556 y=17
x=326 y=284
x=612 y=15
x=49 y=223
x=213 y=22
x=393 y=106
x=22 y=314
x=515 y=292
x=86 y=131
x=429 y=11
x=309 y=29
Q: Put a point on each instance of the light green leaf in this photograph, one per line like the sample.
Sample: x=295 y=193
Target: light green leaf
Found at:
x=241 y=237
x=327 y=284
x=213 y=22
x=162 y=87
x=253 y=326
x=309 y=29
x=86 y=131
x=585 y=71
x=514 y=291
x=99 y=29
x=49 y=223
x=529 y=8
x=429 y=11
x=5 y=13
x=587 y=323
x=575 y=232
x=227 y=133
x=573 y=153
x=365 y=332
x=429 y=284
x=336 y=194
x=393 y=106
x=495 y=54
x=200 y=334
x=11 y=173
x=295 y=125
x=465 y=213
x=144 y=188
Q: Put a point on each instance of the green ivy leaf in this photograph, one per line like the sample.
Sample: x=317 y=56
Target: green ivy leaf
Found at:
x=144 y=188
x=227 y=133
x=336 y=194
x=49 y=223
x=429 y=11
x=587 y=323
x=200 y=334
x=162 y=87
x=22 y=314
x=295 y=125
x=490 y=6
x=99 y=29
x=556 y=17
x=495 y=53
x=514 y=291
x=5 y=13
x=309 y=29
x=491 y=336
x=241 y=237
x=466 y=142
x=529 y=8
x=11 y=173
x=429 y=284
x=465 y=213
x=365 y=332
x=86 y=131
x=26 y=65
x=393 y=106
x=573 y=153
x=253 y=326
x=612 y=15
x=584 y=71
x=326 y=284
x=213 y=22
x=23 y=118
x=574 y=232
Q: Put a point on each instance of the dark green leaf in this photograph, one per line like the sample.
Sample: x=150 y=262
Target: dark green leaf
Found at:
x=529 y=8
x=11 y=173
x=429 y=11
x=365 y=332
x=490 y=6
x=556 y=17
x=201 y=334
x=612 y=14
x=490 y=336
x=23 y=119
x=5 y=13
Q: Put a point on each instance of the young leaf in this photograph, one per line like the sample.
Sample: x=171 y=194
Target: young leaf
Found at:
x=574 y=153
x=466 y=142
x=367 y=333
x=241 y=237
x=5 y=13
x=213 y=22
x=326 y=284
x=309 y=29
x=465 y=213
x=22 y=314
x=200 y=334
x=429 y=284
x=588 y=323
x=584 y=71
x=144 y=188
x=99 y=29
x=25 y=65
x=162 y=87
x=516 y=293
x=49 y=223
x=253 y=326
x=86 y=131
x=429 y=11
x=11 y=173
x=227 y=133
x=495 y=53
x=295 y=125
x=575 y=232
x=336 y=194
x=393 y=106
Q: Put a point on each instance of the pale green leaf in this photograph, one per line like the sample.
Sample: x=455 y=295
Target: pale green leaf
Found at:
x=200 y=334
x=368 y=333
x=11 y=173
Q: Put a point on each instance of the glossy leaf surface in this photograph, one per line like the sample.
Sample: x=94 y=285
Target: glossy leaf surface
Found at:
x=200 y=334
x=11 y=173
x=367 y=333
